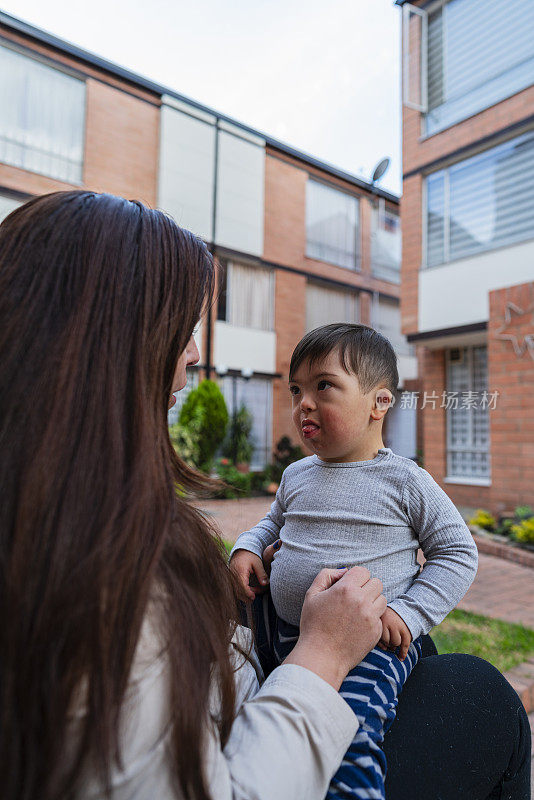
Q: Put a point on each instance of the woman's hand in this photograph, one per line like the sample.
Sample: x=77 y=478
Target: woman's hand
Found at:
x=340 y=623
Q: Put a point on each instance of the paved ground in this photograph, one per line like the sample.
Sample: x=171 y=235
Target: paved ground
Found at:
x=501 y=589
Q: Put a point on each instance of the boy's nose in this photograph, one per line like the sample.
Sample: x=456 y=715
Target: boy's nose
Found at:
x=307 y=403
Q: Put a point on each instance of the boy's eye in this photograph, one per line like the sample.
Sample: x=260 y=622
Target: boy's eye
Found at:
x=294 y=389
x=323 y=385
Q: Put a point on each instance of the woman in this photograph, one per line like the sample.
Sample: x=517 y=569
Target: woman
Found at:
x=122 y=671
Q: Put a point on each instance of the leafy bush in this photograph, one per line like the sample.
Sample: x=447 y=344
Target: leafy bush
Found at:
x=504 y=528
x=524 y=531
x=237 y=445
x=519 y=526
x=284 y=455
x=483 y=519
x=523 y=512
x=205 y=416
x=237 y=484
x=186 y=439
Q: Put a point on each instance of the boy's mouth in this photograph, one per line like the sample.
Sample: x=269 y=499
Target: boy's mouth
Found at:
x=309 y=428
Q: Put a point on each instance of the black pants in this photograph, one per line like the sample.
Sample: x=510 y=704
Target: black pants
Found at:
x=461 y=732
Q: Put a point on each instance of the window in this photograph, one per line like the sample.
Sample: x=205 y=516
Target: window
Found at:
x=467 y=427
x=7 y=205
x=332 y=225
x=386 y=318
x=257 y=395
x=246 y=299
x=482 y=203
x=385 y=243
x=41 y=117
x=325 y=305
x=479 y=53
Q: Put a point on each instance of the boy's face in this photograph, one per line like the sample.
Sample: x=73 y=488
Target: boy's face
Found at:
x=330 y=412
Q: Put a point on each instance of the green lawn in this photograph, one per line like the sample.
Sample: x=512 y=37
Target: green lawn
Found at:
x=501 y=643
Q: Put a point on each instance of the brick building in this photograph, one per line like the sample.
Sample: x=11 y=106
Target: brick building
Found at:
x=467 y=294
x=301 y=243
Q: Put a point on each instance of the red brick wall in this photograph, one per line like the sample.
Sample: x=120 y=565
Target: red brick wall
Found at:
x=417 y=151
x=511 y=374
x=290 y=315
x=512 y=422
x=121 y=147
x=411 y=223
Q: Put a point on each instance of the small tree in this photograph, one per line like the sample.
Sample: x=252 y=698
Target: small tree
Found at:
x=238 y=446
x=205 y=414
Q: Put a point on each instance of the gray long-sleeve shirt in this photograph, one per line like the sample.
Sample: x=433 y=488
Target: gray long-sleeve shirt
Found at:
x=374 y=513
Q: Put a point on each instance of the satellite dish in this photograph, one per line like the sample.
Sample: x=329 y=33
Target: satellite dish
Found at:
x=380 y=169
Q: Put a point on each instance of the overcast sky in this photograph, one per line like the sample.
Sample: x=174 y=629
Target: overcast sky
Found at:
x=321 y=75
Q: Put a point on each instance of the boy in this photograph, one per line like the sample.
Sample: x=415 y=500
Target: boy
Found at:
x=356 y=502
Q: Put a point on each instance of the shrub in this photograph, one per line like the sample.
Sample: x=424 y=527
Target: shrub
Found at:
x=524 y=531
x=237 y=445
x=186 y=439
x=505 y=526
x=284 y=455
x=483 y=519
x=205 y=415
x=237 y=484
x=523 y=512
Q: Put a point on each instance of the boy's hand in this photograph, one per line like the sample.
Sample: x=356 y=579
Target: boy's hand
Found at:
x=395 y=633
x=248 y=567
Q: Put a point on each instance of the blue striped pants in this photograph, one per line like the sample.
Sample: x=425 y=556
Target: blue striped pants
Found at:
x=371 y=689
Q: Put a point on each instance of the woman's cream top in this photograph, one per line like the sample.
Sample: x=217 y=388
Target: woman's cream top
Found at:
x=288 y=739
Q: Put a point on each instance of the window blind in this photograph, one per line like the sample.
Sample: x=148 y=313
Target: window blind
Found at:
x=479 y=52
x=250 y=293
x=325 y=305
x=42 y=117
x=332 y=226
x=484 y=202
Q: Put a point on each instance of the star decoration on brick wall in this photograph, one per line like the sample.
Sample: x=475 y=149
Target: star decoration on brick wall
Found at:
x=528 y=339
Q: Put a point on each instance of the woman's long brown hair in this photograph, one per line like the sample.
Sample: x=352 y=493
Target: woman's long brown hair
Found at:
x=98 y=298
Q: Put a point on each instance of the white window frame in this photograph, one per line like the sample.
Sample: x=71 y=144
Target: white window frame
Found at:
x=422 y=105
x=464 y=479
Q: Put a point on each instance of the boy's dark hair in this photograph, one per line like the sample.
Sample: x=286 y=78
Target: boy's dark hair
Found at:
x=362 y=350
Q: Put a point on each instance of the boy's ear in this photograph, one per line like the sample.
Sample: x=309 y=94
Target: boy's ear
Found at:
x=382 y=401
